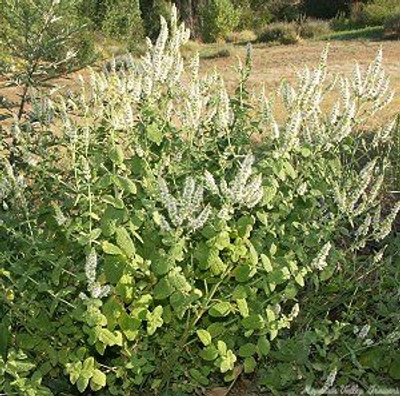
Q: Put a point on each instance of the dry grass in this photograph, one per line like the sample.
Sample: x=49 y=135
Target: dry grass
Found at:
x=274 y=63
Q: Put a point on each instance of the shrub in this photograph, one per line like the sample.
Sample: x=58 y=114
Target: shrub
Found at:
x=218 y=18
x=374 y=13
x=147 y=243
x=314 y=28
x=281 y=32
x=242 y=37
x=218 y=51
x=392 y=24
x=254 y=18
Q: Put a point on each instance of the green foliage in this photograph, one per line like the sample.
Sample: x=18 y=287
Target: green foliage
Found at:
x=314 y=28
x=280 y=32
x=41 y=36
x=151 y=12
x=373 y=13
x=123 y=21
x=148 y=244
x=392 y=24
x=285 y=10
x=218 y=18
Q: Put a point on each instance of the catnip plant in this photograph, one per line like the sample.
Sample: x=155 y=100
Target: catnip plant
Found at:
x=148 y=243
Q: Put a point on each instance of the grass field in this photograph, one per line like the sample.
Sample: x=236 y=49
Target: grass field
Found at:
x=271 y=64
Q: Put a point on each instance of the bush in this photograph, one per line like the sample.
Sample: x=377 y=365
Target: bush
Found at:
x=374 y=13
x=254 y=18
x=218 y=18
x=242 y=37
x=281 y=32
x=147 y=243
x=314 y=28
x=392 y=24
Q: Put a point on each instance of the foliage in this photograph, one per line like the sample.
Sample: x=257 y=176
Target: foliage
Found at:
x=151 y=12
x=253 y=14
x=280 y=32
x=285 y=10
x=41 y=35
x=123 y=20
x=312 y=28
x=392 y=23
x=373 y=13
x=147 y=243
x=218 y=18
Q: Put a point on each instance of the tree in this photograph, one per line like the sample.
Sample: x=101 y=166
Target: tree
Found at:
x=218 y=17
x=41 y=37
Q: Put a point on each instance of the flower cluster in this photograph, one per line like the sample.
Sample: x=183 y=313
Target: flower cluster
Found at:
x=187 y=210
x=244 y=190
x=95 y=289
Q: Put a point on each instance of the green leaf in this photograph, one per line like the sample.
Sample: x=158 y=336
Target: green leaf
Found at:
x=263 y=346
x=243 y=273
x=162 y=265
x=253 y=322
x=247 y=350
x=5 y=337
x=154 y=133
x=266 y=262
x=109 y=339
x=154 y=320
x=227 y=362
x=270 y=315
x=245 y=225
x=163 y=289
x=290 y=170
x=204 y=336
x=129 y=326
x=199 y=377
x=222 y=240
x=222 y=349
x=82 y=384
x=242 y=306
x=394 y=368
x=98 y=380
x=117 y=203
x=87 y=368
x=114 y=268
x=125 y=242
x=249 y=364
x=209 y=353
x=299 y=279
x=117 y=155
x=127 y=185
x=111 y=249
x=220 y=309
